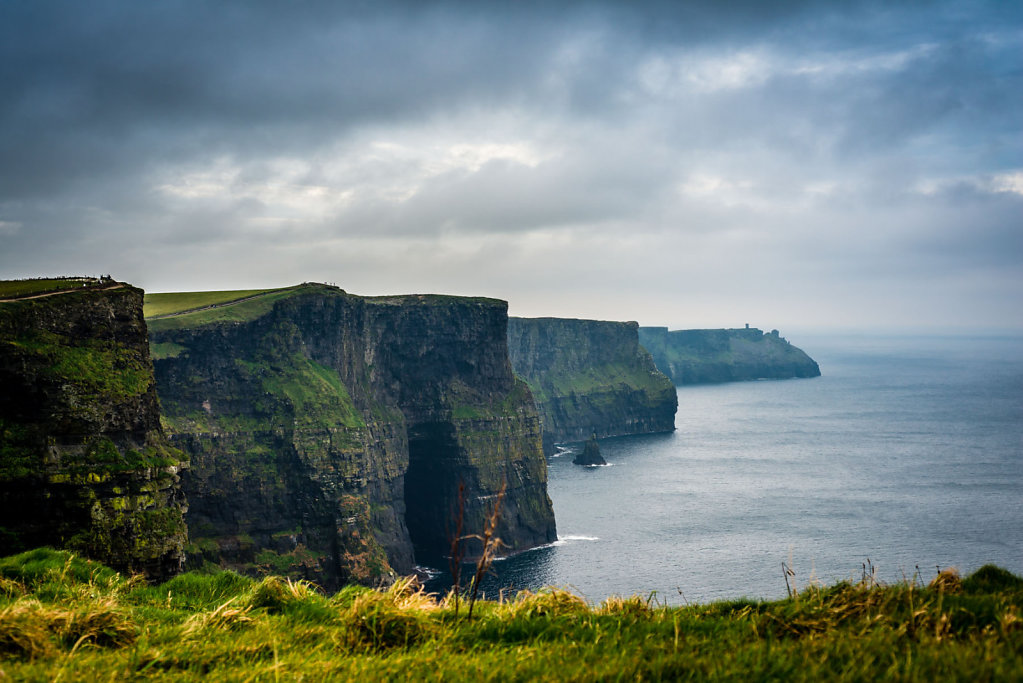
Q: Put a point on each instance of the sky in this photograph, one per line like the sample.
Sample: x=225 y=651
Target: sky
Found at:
x=791 y=164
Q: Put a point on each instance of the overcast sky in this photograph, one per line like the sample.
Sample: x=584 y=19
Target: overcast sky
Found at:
x=787 y=164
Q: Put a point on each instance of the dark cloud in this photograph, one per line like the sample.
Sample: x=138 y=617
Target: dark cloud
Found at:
x=835 y=142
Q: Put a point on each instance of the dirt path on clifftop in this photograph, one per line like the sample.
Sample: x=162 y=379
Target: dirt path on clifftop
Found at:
x=116 y=285
x=222 y=304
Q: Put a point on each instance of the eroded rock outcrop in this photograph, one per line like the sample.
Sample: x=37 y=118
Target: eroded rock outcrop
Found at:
x=329 y=432
x=590 y=377
x=590 y=455
x=84 y=463
x=726 y=355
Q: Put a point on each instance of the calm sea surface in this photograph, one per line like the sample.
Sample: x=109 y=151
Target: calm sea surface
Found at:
x=907 y=451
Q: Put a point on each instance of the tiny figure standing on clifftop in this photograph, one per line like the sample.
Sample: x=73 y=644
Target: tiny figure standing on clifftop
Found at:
x=590 y=455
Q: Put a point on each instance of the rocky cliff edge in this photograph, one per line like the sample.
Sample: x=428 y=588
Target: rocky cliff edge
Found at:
x=84 y=463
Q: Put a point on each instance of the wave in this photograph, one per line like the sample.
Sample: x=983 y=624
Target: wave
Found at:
x=427 y=572
x=565 y=540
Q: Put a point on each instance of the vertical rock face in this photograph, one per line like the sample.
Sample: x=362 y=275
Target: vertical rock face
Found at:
x=727 y=355
x=84 y=463
x=297 y=468
x=590 y=377
x=444 y=360
x=315 y=418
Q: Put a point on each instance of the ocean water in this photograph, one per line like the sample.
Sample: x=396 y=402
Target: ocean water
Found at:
x=907 y=453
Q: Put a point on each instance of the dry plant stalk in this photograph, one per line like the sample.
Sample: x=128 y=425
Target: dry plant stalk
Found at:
x=491 y=545
x=458 y=547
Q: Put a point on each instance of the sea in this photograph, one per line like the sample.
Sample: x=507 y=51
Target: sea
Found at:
x=904 y=458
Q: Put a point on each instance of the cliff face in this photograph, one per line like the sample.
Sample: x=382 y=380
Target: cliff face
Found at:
x=590 y=377
x=84 y=464
x=329 y=432
x=444 y=361
x=704 y=356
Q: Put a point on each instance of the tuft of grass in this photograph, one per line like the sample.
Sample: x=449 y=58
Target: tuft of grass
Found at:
x=632 y=607
x=275 y=594
x=9 y=588
x=102 y=623
x=28 y=628
x=378 y=621
x=226 y=616
x=947 y=581
x=299 y=600
x=546 y=603
x=24 y=633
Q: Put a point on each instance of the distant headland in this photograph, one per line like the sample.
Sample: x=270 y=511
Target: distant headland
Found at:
x=725 y=355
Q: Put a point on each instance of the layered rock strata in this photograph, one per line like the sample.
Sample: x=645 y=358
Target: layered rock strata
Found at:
x=590 y=377
x=329 y=432
x=84 y=463
x=725 y=355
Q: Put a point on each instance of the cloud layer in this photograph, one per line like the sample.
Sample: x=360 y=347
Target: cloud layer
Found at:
x=784 y=164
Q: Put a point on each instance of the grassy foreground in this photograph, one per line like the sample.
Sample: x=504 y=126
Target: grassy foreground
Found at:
x=64 y=618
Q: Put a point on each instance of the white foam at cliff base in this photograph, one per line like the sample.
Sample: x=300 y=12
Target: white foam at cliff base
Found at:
x=563 y=540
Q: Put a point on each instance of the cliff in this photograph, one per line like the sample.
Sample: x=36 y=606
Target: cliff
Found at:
x=328 y=432
x=84 y=463
x=590 y=377
x=705 y=356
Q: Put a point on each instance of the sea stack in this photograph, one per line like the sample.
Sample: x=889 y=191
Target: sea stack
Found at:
x=590 y=455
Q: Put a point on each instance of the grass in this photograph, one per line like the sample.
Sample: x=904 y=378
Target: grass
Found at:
x=64 y=618
x=163 y=350
x=166 y=303
x=317 y=394
x=16 y=288
x=109 y=370
x=229 y=309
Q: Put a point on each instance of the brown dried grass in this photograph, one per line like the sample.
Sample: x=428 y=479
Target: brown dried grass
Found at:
x=947 y=581
x=30 y=629
x=225 y=617
x=547 y=602
x=633 y=607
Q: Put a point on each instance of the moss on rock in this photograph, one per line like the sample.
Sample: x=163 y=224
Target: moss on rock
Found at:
x=84 y=463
